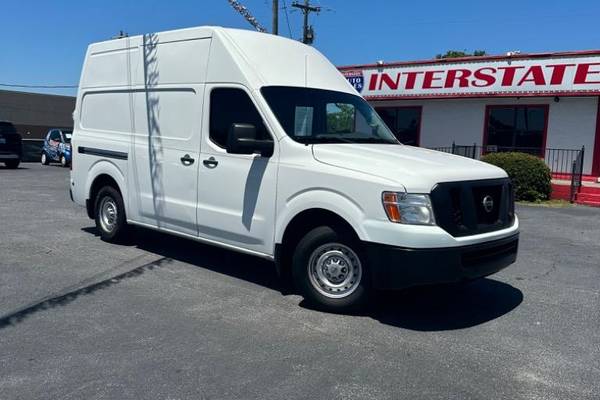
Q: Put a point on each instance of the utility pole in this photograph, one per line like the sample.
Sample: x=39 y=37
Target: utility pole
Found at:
x=308 y=34
x=275 y=17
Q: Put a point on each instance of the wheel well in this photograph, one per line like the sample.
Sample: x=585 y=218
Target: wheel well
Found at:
x=100 y=181
x=299 y=226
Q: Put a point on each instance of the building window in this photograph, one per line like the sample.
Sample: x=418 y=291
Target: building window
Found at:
x=404 y=122
x=516 y=127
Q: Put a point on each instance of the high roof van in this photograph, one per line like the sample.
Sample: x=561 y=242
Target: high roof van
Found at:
x=258 y=144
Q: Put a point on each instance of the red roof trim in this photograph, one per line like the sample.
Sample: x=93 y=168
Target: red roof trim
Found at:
x=443 y=61
x=483 y=95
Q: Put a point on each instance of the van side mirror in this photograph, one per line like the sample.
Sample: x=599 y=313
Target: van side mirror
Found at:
x=242 y=139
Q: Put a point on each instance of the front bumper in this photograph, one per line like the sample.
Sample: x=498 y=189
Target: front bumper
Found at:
x=398 y=267
x=9 y=156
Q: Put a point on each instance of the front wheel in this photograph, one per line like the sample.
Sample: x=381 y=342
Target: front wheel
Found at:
x=63 y=161
x=329 y=270
x=110 y=215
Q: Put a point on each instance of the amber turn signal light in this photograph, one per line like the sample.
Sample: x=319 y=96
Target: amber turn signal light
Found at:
x=390 y=204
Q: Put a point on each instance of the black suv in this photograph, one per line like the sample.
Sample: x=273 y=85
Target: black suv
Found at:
x=11 y=148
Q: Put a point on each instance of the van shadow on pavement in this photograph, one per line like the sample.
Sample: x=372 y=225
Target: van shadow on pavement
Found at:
x=447 y=307
x=431 y=308
x=237 y=265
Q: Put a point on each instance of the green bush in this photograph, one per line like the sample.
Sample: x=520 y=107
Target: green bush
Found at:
x=530 y=175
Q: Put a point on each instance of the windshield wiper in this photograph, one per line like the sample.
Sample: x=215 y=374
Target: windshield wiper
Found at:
x=336 y=139
x=375 y=140
x=322 y=139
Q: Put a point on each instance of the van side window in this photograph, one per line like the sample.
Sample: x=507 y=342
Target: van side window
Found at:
x=233 y=106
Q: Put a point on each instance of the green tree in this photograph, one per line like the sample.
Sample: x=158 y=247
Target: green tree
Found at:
x=459 y=53
x=340 y=118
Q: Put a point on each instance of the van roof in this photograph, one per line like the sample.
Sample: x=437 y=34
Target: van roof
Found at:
x=262 y=59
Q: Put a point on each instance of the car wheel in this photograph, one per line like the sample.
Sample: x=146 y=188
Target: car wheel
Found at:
x=330 y=271
x=110 y=215
x=63 y=161
x=45 y=160
x=12 y=164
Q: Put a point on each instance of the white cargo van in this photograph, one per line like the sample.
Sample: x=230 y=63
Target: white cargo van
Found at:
x=258 y=144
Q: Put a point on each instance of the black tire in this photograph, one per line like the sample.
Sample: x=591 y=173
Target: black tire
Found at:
x=315 y=246
x=63 y=161
x=119 y=228
x=12 y=164
x=44 y=159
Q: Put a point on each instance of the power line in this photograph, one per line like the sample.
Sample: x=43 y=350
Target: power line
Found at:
x=39 y=86
x=287 y=17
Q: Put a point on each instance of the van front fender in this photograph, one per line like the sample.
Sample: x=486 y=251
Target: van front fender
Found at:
x=324 y=199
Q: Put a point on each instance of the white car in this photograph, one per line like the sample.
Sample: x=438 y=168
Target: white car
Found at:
x=258 y=144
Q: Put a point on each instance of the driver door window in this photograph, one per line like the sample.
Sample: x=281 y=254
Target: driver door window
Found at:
x=230 y=106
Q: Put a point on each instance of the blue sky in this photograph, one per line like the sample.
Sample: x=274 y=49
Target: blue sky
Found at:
x=44 y=42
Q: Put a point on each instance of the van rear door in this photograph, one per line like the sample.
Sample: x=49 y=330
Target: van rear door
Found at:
x=167 y=108
x=167 y=145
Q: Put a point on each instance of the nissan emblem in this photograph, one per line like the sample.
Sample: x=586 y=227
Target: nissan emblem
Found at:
x=488 y=203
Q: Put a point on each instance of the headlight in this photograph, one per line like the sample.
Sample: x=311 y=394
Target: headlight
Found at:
x=412 y=209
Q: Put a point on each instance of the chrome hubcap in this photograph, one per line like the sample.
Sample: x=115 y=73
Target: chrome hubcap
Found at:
x=108 y=214
x=334 y=270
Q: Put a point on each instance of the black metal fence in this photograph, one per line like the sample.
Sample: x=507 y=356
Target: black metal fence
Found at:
x=560 y=161
x=577 y=174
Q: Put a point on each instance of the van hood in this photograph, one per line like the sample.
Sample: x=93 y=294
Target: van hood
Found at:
x=415 y=168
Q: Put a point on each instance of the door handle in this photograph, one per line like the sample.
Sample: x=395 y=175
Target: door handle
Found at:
x=210 y=162
x=187 y=160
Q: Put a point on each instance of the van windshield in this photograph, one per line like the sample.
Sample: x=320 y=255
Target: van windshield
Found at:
x=325 y=116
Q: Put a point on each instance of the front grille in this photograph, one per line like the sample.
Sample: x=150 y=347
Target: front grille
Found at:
x=478 y=257
x=472 y=207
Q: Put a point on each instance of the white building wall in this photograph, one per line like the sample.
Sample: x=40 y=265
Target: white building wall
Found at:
x=572 y=124
x=571 y=121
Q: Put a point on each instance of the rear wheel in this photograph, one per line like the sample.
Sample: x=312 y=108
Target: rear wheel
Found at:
x=12 y=164
x=110 y=215
x=329 y=271
x=45 y=160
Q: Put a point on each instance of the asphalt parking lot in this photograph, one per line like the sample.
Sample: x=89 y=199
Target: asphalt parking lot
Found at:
x=167 y=318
